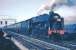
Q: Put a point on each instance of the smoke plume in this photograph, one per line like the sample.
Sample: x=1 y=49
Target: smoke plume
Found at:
x=61 y=7
x=50 y=5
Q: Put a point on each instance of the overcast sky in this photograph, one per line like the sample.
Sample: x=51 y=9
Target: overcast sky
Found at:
x=25 y=9
x=19 y=7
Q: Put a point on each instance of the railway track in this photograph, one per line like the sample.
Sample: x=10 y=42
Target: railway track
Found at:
x=36 y=43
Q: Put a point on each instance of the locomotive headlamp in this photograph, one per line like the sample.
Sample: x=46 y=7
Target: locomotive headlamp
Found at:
x=58 y=19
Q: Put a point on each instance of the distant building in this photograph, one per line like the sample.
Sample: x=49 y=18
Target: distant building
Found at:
x=6 y=20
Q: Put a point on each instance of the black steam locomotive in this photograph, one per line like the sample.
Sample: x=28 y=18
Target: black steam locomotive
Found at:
x=41 y=27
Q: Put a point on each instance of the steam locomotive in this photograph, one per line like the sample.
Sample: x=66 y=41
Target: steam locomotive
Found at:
x=41 y=26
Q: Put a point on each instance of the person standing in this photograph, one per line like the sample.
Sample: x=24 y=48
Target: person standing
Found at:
x=6 y=44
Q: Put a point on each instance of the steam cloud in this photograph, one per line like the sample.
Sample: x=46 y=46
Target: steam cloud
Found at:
x=68 y=12
x=50 y=5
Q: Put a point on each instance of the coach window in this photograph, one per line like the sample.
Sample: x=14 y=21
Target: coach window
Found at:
x=5 y=22
x=1 y=22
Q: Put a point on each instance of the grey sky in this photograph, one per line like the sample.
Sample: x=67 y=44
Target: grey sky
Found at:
x=19 y=7
x=26 y=8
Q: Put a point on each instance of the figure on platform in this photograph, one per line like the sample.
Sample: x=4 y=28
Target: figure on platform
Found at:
x=6 y=44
